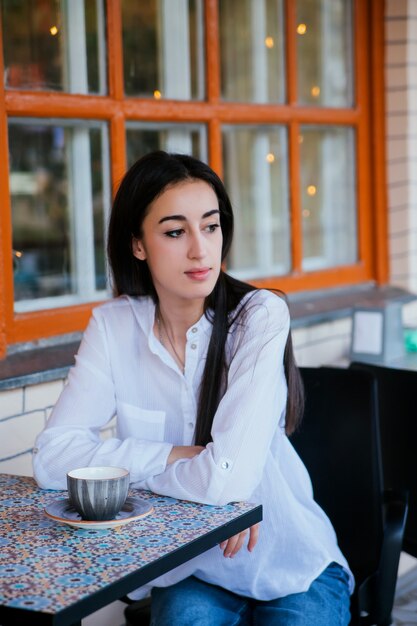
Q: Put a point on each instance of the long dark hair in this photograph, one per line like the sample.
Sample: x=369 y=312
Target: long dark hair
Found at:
x=147 y=179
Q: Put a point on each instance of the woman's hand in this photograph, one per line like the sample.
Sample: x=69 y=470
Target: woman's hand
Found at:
x=232 y=546
x=183 y=452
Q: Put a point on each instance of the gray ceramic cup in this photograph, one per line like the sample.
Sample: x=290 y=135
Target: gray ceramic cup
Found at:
x=98 y=493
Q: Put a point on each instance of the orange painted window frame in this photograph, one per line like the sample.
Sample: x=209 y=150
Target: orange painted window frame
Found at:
x=367 y=117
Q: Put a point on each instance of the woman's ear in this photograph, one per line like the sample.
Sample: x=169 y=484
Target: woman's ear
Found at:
x=138 y=249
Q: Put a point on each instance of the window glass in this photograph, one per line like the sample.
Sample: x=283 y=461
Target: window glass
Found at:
x=252 y=50
x=183 y=138
x=324 y=52
x=328 y=196
x=59 y=182
x=256 y=176
x=56 y=45
x=163 y=49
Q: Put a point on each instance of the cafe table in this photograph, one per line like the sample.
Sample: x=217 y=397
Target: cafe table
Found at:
x=54 y=575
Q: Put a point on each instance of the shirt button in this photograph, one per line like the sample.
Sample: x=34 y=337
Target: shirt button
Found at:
x=193 y=346
x=191 y=424
x=194 y=330
x=224 y=465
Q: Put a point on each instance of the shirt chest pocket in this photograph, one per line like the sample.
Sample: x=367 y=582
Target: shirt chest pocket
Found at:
x=133 y=421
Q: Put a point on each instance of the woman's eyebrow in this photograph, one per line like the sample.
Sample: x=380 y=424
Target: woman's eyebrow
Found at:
x=182 y=218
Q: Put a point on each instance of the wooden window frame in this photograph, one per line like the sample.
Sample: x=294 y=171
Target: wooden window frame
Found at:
x=367 y=117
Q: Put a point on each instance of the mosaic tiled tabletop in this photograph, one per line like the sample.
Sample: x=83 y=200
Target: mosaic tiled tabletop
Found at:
x=48 y=567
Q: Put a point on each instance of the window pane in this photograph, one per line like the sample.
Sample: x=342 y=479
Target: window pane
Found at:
x=256 y=176
x=163 y=49
x=328 y=194
x=324 y=52
x=59 y=182
x=185 y=139
x=252 y=50
x=54 y=45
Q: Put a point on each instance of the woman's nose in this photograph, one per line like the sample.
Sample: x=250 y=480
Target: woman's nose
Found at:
x=197 y=249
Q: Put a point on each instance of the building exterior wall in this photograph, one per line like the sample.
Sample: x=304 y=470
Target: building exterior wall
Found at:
x=401 y=128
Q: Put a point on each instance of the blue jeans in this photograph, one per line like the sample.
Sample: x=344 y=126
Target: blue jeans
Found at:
x=192 y=602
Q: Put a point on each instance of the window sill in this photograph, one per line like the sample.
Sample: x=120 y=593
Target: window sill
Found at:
x=52 y=362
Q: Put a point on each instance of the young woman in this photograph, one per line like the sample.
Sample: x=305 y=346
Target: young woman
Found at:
x=198 y=367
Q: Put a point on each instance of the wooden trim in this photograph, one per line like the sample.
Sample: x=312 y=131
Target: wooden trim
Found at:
x=364 y=201
x=37 y=104
x=376 y=30
x=212 y=48
x=115 y=49
x=215 y=146
x=29 y=326
x=6 y=290
x=338 y=276
x=118 y=162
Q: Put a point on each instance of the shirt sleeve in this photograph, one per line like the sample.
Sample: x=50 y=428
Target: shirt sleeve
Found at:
x=71 y=437
x=250 y=412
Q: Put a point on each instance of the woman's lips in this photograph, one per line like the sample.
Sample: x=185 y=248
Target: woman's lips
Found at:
x=200 y=273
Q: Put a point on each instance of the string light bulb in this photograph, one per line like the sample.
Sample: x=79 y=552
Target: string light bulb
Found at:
x=269 y=42
x=53 y=30
x=302 y=29
x=270 y=157
x=311 y=190
x=315 y=91
x=157 y=94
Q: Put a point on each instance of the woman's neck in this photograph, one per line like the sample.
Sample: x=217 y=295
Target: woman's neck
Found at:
x=178 y=319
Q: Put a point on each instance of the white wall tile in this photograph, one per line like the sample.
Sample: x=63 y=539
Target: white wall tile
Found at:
x=397 y=30
x=21 y=465
x=409 y=314
x=397 y=148
x=398 y=196
x=397 y=100
x=396 y=75
x=396 y=8
x=18 y=433
x=11 y=402
x=398 y=221
x=397 y=172
x=395 y=54
x=323 y=353
x=42 y=396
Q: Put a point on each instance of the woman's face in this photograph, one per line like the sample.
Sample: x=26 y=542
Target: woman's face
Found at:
x=182 y=242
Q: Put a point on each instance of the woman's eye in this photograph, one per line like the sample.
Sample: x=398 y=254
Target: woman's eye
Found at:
x=174 y=233
x=212 y=227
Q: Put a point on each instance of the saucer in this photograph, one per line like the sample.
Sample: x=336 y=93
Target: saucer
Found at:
x=132 y=510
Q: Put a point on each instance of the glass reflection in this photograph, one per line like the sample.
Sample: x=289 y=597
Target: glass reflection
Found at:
x=328 y=196
x=163 y=49
x=59 y=185
x=182 y=138
x=252 y=50
x=256 y=176
x=54 y=45
x=324 y=52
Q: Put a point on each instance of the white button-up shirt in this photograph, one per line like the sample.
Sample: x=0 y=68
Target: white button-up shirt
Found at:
x=122 y=369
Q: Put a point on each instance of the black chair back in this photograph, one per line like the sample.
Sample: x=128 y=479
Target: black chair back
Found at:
x=339 y=443
x=397 y=399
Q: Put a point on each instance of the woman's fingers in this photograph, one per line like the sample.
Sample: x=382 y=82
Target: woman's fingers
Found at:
x=253 y=536
x=232 y=546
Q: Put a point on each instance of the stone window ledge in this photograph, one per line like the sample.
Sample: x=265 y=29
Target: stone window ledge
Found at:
x=28 y=365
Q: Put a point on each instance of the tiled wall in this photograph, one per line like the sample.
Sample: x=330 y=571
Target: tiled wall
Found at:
x=23 y=411
x=401 y=111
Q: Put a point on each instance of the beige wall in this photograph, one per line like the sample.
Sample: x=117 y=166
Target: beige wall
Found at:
x=401 y=127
